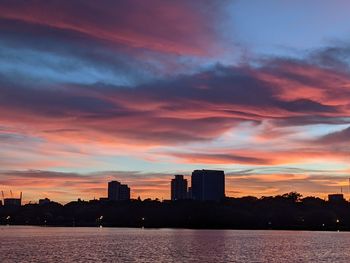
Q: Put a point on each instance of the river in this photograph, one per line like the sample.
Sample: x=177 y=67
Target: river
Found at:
x=48 y=244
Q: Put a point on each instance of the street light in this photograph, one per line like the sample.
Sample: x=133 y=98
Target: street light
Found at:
x=99 y=221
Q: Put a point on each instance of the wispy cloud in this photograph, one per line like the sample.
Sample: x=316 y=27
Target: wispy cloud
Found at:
x=139 y=85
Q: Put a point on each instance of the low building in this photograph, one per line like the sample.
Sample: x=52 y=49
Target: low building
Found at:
x=44 y=201
x=12 y=202
x=189 y=193
x=336 y=198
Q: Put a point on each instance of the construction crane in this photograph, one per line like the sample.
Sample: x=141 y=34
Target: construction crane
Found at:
x=3 y=196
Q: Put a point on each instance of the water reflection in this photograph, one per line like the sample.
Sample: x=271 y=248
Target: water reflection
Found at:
x=34 y=244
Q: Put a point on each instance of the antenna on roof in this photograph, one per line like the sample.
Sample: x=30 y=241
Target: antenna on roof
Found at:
x=11 y=193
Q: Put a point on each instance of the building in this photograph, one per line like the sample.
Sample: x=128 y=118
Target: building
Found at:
x=189 y=193
x=12 y=202
x=44 y=201
x=336 y=198
x=208 y=185
x=178 y=188
x=113 y=190
x=124 y=192
x=118 y=191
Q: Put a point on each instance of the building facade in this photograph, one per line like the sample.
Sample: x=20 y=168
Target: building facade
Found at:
x=118 y=191
x=12 y=202
x=336 y=198
x=179 y=188
x=208 y=185
x=44 y=201
x=124 y=192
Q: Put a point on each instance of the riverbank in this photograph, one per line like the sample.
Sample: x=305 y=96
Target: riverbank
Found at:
x=277 y=213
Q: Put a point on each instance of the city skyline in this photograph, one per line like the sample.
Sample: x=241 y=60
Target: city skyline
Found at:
x=139 y=91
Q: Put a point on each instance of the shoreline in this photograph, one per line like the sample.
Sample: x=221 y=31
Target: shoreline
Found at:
x=178 y=228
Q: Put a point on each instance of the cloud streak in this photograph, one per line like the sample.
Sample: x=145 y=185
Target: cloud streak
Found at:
x=133 y=85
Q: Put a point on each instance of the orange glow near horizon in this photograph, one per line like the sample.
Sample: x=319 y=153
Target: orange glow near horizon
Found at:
x=139 y=91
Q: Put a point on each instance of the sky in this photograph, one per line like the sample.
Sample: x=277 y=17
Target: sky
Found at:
x=137 y=91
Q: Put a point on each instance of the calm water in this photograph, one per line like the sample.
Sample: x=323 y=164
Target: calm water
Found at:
x=35 y=244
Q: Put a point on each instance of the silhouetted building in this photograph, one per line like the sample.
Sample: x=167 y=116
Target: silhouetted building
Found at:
x=12 y=202
x=189 y=193
x=336 y=198
x=124 y=192
x=118 y=191
x=0 y=202
x=44 y=201
x=113 y=190
x=208 y=185
x=178 y=188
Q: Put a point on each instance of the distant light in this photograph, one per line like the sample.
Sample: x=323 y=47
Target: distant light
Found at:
x=337 y=220
x=101 y=217
x=143 y=219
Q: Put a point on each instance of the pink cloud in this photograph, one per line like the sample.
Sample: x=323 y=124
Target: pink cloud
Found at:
x=178 y=27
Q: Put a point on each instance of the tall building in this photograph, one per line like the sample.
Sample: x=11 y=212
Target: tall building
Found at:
x=178 y=188
x=113 y=190
x=118 y=191
x=124 y=192
x=208 y=185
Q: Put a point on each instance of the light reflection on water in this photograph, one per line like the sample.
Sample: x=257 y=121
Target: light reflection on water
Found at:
x=44 y=244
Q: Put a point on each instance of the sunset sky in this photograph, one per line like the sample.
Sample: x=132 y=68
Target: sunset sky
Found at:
x=138 y=91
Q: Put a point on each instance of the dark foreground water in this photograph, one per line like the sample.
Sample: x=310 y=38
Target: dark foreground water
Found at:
x=43 y=244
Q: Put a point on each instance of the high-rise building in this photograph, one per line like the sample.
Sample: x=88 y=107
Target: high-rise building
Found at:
x=118 y=191
x=208 y=185
x=124 y=192
x=113 y=190
x=178 y=188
